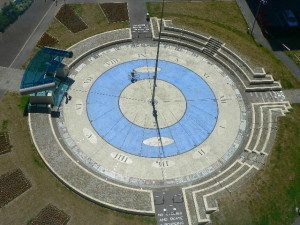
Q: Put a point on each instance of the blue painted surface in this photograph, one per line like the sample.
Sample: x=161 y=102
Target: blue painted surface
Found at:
x=194 y=127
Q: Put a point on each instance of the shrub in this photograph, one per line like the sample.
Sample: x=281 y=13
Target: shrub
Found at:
x=10 y=13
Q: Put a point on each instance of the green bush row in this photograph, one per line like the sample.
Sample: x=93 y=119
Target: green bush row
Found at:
x=10 y=12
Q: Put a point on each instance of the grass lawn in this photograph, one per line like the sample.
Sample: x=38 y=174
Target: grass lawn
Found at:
x=92 y=15
x=294 y=55
x=223 y=19
x=46 y=189
x=271 y=196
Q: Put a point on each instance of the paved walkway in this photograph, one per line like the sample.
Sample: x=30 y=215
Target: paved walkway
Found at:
x=170 y=207
x=292 y=95
x=9 y=79
x=137 y=11
x=17 y=42
x=259 y=37
x=14 y=38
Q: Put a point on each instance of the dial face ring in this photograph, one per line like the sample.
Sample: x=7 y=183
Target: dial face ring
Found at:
x=106 y=156
x=186 y=111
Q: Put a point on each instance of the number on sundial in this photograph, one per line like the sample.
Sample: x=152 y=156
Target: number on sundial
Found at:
x=201 y=152
x=223 y=99
x=111 y=62
x=88 y=80
x=121 y=158
x=78 y=106
x=206 y=75
x=141 y=55
x=163 y=163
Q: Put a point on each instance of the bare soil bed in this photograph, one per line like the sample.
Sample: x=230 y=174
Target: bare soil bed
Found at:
x=5 y=145
x=12 y=185
x=115 y=12
x=50 y=215
x=47 y=40
x=70 y=19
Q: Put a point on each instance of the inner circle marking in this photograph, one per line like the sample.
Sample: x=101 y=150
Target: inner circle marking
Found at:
x=168 y=99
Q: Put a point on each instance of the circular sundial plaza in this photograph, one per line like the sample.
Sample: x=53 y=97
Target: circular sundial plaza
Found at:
x=202 y=131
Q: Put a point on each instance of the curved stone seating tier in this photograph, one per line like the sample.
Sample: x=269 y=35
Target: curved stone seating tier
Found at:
x=81 y=180
x=210 y=201
x=201 y=198
x=168 y=25
x=216 y=50
x=96 y=42
x=260 y=73
x=264 y=118
x=248 y=78
x=209 y=41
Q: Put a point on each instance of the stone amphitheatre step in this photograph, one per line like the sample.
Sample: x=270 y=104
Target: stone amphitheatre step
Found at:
x=255 y=84
x=180 y=37
x=244 y=68
x=252 y=80
x=170 y=27
x=275 y=86
x=252 y=158
x=188 y=192
x=154 y=27
x=183 y=43
x=91 y=186
x=247 y=77
x=96 y=42
x=210 y=200
x=257 y=72
x=269 y=127
x=209 y=205
x=264 y=117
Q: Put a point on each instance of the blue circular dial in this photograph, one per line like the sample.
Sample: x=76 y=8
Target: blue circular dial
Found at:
x=186 y=115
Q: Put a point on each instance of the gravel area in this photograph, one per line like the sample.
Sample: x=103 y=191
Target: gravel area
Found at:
x=12 y=184
x=50 y=215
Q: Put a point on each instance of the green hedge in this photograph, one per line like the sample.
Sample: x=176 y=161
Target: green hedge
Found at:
x=10 y=12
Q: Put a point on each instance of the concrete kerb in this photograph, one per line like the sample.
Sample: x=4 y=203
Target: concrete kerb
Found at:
x=92 y=49
x=262 y=73
x=209 y=208
x=76 y=190
x=271 y=105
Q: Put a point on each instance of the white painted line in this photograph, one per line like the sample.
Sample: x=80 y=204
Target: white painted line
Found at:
x=32 y=34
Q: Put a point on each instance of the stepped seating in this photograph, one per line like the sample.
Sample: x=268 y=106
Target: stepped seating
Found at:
x=201 y=198
x=252 y=80
x=264 y=118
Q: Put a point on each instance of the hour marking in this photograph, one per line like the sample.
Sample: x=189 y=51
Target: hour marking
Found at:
x=111 y=62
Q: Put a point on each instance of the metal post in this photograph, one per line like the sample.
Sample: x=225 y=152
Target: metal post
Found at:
x=256 y=15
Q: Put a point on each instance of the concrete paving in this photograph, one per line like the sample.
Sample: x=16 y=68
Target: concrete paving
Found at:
x=10 y=79
x=137 y=11
x=292 y=95
x=194 y=164
x=169 y=207
x=17 y=35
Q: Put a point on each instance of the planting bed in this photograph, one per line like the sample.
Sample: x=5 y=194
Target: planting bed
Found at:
x=115 y=12
x=70 y=19
x=4 y=143
x=47 y=40
x=50 y=215
x=12 y=184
